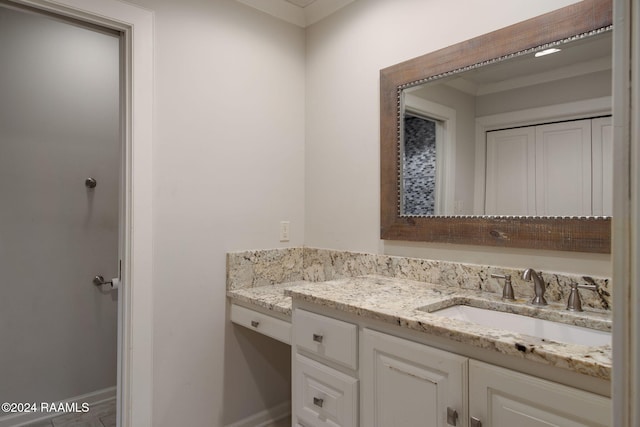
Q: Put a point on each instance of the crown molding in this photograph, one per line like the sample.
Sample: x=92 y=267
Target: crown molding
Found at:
x=300 y=16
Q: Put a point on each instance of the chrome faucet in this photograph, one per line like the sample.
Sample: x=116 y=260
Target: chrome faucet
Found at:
x=538 y=286
x=574 y=303
x=507 y=290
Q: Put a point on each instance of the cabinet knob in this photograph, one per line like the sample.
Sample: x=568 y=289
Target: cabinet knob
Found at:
x=318 y=338
x=452 y=416
x=475 y=422
x=255 y=323
x=318 y=402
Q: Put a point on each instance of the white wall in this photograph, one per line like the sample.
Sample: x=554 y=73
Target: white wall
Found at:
x=59 y=124
x=344 y=55
x=228 y=163
x=587 y=86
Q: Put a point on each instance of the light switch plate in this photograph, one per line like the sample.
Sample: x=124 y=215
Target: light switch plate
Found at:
x=284 y=231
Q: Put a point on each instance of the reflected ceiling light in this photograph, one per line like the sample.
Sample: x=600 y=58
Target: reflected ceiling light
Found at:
x=547 y=52
x=301 y=3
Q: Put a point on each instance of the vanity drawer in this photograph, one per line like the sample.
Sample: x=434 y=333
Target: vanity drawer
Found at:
x=324 y=396
x=262 y=323
x=331 y=339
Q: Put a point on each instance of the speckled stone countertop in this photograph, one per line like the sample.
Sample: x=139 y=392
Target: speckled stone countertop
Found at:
x=270 y=297
x=407 y=304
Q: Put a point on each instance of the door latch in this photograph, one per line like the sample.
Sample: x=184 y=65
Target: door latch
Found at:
x=452 y=416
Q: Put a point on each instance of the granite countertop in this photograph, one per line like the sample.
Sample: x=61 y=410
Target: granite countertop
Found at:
x=270 y=297
x=408 y=304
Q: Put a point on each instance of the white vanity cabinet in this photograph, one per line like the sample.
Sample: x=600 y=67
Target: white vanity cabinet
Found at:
x=409 y=384
x=347 y=374
x=325 y=363
x=502 y=397
x=405 y=383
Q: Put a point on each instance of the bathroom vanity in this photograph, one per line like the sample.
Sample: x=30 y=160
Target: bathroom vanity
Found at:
x=369 y=346
x=374 y=350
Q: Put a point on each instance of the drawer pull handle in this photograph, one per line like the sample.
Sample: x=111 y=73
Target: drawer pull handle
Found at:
x=318 y=338
x=475 y=422
x=255 y=323
x=318 y=402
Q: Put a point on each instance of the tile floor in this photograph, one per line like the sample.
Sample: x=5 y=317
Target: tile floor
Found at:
x=100 y=415
x=104 y=415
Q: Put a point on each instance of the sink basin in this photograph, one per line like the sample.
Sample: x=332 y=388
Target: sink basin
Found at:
x=531 y=326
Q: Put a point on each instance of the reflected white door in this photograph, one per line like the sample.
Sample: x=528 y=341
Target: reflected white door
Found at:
x=511 y=168
x=563 y=168
x=59 y=125
x=602 y=152
x=558 y=169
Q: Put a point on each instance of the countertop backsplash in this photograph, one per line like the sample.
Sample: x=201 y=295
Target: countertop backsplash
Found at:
x=249 y=269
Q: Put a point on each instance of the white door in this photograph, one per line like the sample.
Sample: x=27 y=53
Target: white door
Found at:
x=510 y=172
x=409 y=384
x=563 y=168
x=59 y=126
x=602 y=152
x=558 y=169
x=500 y=397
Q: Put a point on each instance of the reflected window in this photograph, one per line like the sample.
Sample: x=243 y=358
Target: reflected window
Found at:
x=419 y=165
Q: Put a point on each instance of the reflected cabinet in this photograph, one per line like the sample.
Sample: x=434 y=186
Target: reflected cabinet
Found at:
x=553 y=169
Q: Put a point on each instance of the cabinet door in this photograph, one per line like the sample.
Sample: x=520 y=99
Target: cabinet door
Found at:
x=409 y=384
x=510 y=176
x=563 y=168
x=500 y=397
x=602 y=152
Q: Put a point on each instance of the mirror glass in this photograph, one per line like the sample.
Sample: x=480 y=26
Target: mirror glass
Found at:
x=526 y=135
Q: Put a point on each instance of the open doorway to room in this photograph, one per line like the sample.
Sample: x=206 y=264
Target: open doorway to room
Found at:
x=61 y=156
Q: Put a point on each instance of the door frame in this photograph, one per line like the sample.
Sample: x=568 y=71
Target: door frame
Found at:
x=445 y=147
x=135 y=346
x=625 y=248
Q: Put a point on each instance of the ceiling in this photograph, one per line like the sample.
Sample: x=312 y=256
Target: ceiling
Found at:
x=298 y=12
x=579 y=57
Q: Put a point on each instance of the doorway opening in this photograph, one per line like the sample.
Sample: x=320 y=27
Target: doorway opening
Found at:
x=61 y=161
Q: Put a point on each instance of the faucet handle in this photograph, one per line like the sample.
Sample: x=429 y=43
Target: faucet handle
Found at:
x=574 y=303
x=507 y=290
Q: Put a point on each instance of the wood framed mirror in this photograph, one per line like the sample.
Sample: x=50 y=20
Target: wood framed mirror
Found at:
x=581 y=231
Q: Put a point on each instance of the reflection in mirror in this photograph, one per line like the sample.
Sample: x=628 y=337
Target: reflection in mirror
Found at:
x=529 y=135
x=419 y=164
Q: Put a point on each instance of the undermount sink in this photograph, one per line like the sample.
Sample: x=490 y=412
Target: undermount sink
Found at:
x=526 y=325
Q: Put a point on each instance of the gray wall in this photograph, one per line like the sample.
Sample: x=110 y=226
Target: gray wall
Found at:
x=59 y=123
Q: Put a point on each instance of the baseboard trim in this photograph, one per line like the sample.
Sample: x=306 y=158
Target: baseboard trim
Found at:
x=264 y=418
x=93 y=398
